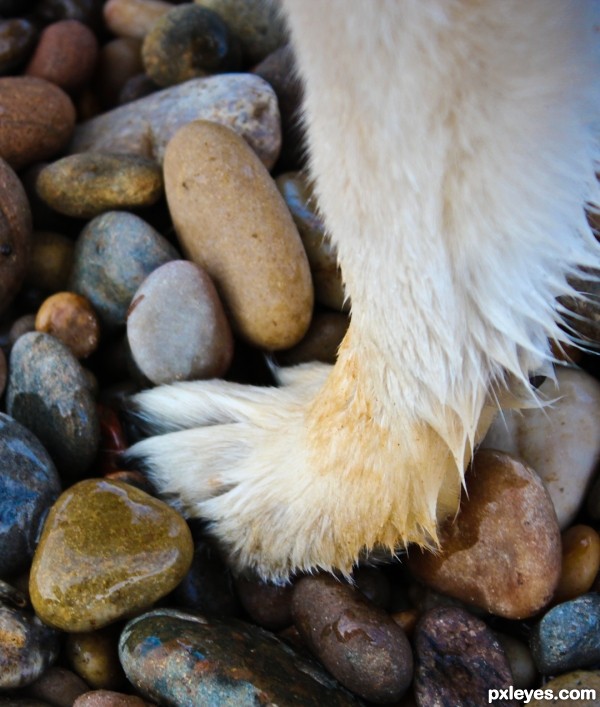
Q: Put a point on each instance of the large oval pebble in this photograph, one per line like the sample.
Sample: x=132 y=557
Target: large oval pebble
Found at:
x=503 y=551
x=359 y=643
x=29 y=485
x=48 y=392
x=188 y=659
x=176 y=326
x=108 y=550
x=232 y=221
x=244 y=102
x=114 y=254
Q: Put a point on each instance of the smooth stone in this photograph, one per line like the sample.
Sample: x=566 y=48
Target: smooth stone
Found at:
x=243 y=102
x=71 y=319
x=457 y=660
x=232 y=221
x=29 y=485
x=94 y=655
x=18 y=37
x=178 y=658
x=568 y=636
x=503 y=551
x=561 y=441
x=58 y=686
x=176 y=326
x=189 y=42
x=48 y=392
x=27 y=647
x=578 y=680
x=109 y=698
x=359 y=643
x=118 y=61
x=133 y=18
x=268 y=605
x=580 y=562
x=15 y=234
x=114 y=254
x=107 y=551
x=37 y=120
x=51 y=261
x=89 y=184
x=521 y=663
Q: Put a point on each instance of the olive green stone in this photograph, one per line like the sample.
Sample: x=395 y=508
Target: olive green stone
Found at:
x=107 y=551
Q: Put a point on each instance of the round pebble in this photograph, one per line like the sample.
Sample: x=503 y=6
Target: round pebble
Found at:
x=189 y=659
x=580 y=562
x=66 y=55
x=29 y=485
x=231 y=220
x=36 y=120
x=49 y=394
x=58 y=686
x=574 y=683
x=114 y=254
x=17 y=40
x=108 y=698
x=94 y=656
x=268 y=605
x=360 y=644
x=71 y=319
x=502 y=553
x=187 y=42
x=133 y=18
x=88 y=184
x=51 y=261
x=176 y=326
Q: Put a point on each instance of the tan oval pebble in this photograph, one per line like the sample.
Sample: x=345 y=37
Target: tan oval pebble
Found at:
x=232 y=221
x=580 y=562
x=502 y=553
x=118 y=61
x=94 y=655
x=133 y=18
x=51 y=261
x=70 y=318
x=109 y=698
x=574 y=683
x=36 y=120
x=89 y=184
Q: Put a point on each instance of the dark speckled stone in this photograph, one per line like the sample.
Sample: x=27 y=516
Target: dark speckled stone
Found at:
x=29 y=485
x=187 y=659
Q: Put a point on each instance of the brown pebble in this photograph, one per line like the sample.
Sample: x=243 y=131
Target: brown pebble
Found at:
x=268 y=605
x=94 y=656
x=51 y=261
x=66 y=55
x=58 y=686
x=70 y=318
x=108 y=698
x=580 y=562
x=407 y=620
x=119 y=60
x=133 y=18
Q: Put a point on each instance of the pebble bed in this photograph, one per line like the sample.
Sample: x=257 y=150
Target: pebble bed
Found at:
x=155 y=225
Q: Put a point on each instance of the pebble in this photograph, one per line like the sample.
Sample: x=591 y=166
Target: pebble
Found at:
x=457 y=660
x=187 y=42
x=51 y=261
x=243 y=102
x=578 y=680
x=21 y=325
x=321 y=341
x=568 y=636
x=37 y=120
x=107 y=551
x=118 y=61
x=58 y=686
x=231 y=220
x=15 y=234
x=108 y=698
x=29 y=485
x=114 y=254
x=17 y=40
x=268 y=605
x=66 y=55
x=359 y=643
x=49 y=394
x=560 y=442
x=188 y=659
x=580 y=562
x=502 y=553
x=94 y=656
x=133 y=18
x=519 y=657
x=70 y=318
x=27 y=647
x=88 y=184
x=176 y=325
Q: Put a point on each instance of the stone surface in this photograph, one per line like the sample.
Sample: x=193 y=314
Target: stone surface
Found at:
x=108 y=550
x=114 y=254
x=108 y=698
x=177 y=658
x=360 y=644
x=133 y=18
x=560 y=442
x=71 y=319
x=94 y=655
x=48 y=392
x=36 y=120
x=502 y=553
x=231 y=220
x=58 y=686
x=118 y=61
x=579 y=680
x=176 y=326
x=17 y=40
x=243 y=102
x=580 y=562
x=522 y=667
x=51 y=261
x=268 y=605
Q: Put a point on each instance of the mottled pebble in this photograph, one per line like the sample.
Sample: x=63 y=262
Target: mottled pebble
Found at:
x=243 y=102
x=29 y=485
x=58 y=686
x=17 y=40
x=576 y=681
x=503 y=551
x=176 y=325
x=114 y=253
x=188 y=42
x=118 y=61
x=359 y=643
x=457 y=660
x=71 y=319
x=108 y=698
x=231 y=220
x=108 y=550
x=521 y=663
x=36 y=120
x=568 y=636
x=188 y=659
x=94 y=656
x=133 y=18
x=561 y=442
x=51 y=261
x=88 y=184
x=49 y=394
x=580 y=562
x=268 y=605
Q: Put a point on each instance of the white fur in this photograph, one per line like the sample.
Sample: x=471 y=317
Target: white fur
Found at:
x=453 y=150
